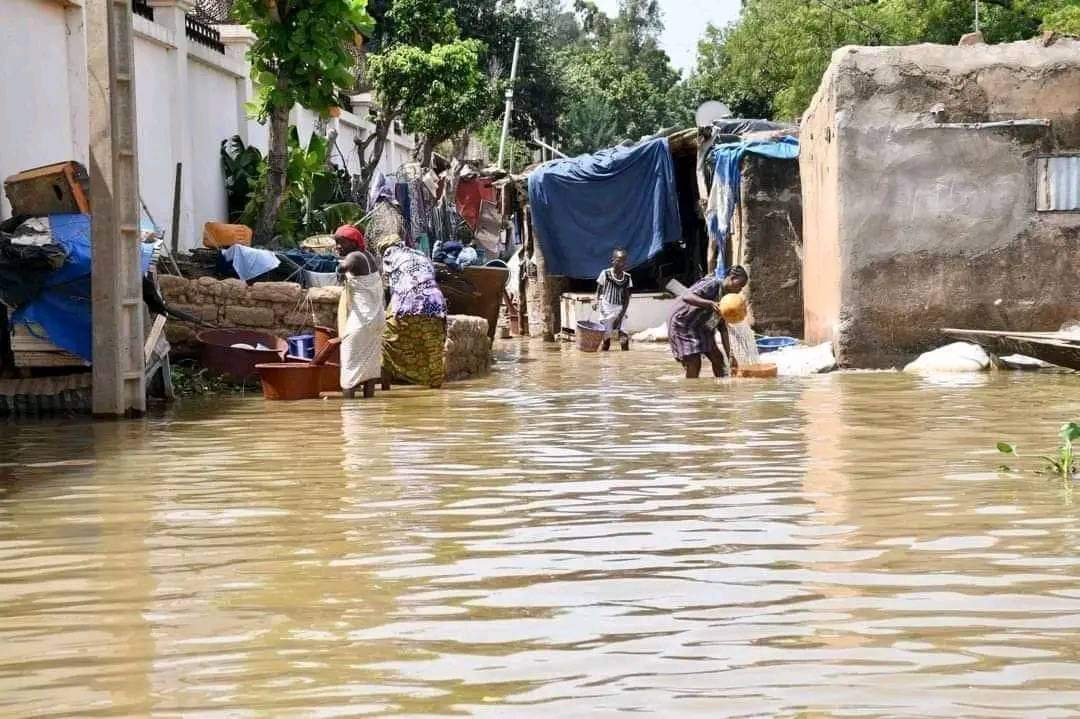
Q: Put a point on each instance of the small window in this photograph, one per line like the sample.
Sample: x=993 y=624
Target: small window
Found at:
x=1058 y=179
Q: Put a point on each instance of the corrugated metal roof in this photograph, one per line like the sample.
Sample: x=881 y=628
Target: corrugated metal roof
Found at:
x=1058 y=183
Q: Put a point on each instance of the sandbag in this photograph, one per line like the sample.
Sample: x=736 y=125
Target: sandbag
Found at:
x=802 y=361
x=653 y=334
x=955 y=357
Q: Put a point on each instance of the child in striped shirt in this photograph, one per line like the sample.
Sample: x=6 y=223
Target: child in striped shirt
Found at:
x=613 y=298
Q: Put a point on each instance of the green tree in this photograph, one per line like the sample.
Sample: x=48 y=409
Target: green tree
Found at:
x=423 y=73
x=301 y=55
x=770 y=62
x=496 y=24
x=617 y=81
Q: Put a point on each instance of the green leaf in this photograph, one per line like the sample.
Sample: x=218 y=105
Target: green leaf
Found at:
x=1006 y=448
x=1070 y=432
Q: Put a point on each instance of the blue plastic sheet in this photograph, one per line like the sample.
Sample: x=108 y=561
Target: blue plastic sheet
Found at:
x=62 y=309
x=724 y=195
x=250 y=262
x=585 y=207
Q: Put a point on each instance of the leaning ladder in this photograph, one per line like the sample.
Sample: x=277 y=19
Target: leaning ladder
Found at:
x=119 y=385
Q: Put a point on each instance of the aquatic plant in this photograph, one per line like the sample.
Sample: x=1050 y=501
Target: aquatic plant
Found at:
x=190 y=380
x=1064 y=463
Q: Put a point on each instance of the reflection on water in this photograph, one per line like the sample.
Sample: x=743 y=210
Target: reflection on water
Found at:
x=572 y=536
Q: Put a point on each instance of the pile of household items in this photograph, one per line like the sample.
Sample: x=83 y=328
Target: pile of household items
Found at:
x=45 y=328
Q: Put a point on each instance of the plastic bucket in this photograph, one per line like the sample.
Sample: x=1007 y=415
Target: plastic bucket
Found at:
x=302 y=346
x=590 y=335
x=323 y=335
x=288 y=381
x=771 y=344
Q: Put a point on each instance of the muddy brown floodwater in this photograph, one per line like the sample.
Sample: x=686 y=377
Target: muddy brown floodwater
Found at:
x=573 y=536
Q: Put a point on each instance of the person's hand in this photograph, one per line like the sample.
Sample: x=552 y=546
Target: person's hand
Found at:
x=716 y=308
x=595 y=305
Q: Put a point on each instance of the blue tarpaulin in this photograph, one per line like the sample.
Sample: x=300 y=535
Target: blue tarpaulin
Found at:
x=724 y=195
x=62 y=309
x=585 y=207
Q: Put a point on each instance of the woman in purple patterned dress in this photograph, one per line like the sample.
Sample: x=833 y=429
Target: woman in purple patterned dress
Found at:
x=416 y=319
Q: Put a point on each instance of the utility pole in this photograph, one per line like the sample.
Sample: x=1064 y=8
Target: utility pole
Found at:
x=977 y=28
x=509 y=102
x=118 y=364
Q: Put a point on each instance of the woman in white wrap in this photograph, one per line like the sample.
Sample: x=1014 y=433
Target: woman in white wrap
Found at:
x=361 y=322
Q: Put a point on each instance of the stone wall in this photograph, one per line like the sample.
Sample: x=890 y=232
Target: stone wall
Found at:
x=917 y=218
x=767 y=239
x=284 y=309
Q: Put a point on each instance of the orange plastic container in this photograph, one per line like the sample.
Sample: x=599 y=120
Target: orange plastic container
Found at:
x=220 y=235
x=290 y=381
x=760 y=371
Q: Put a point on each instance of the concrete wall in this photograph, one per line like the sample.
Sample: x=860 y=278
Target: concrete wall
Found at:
x=188 y=99
x=767 y=239
x=819 y=172
x=915 y=223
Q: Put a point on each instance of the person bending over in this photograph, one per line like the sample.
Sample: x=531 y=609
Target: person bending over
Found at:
x=693 y=324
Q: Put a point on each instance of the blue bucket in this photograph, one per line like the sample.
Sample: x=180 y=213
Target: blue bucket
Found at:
x=771 y=344
x=302 y=346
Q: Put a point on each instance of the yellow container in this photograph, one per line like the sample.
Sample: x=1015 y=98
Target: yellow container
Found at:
x=219 y=235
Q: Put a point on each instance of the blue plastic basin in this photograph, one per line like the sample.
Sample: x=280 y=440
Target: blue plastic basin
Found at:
x=771 y=344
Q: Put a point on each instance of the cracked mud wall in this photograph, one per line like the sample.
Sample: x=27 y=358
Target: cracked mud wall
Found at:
x=914 y=224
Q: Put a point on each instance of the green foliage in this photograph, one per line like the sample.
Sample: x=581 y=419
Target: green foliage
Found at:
x=770 y=62
x=301 y=51
x=437 y=91
x=1063 y=464
x=591 y=123
x=423 y=72
x=617 y=82
x=496 y=23
x=517 y=154
x=317 y=192
x=241 y=165
x=1065 y=20
x=190 y=380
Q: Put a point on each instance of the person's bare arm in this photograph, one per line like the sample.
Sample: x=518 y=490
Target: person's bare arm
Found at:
x=697 y=301
x=357 y=264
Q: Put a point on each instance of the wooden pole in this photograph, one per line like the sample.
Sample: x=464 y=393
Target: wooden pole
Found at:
x=547 y=323
x=174 y=233
x=523 y=275
x=118 y=365
x=509 y=102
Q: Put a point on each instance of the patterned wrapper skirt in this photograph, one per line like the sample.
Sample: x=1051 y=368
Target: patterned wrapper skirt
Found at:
x=688 y=339
x=413 y=349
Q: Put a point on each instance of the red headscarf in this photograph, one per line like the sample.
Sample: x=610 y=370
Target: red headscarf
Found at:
x=352 y=235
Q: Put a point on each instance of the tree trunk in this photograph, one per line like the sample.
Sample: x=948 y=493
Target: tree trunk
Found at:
x=424 y=151
x=457 y=164
x=371 y=163
x=276 y=177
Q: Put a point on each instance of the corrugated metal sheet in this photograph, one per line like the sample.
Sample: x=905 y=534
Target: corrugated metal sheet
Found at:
x=1058 y=183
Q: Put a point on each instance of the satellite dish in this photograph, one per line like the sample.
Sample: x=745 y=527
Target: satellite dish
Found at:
x=709 y=112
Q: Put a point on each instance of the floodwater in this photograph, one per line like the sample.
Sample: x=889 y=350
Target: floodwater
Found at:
x=573 y=536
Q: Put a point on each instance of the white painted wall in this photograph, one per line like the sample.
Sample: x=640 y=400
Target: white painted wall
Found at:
x=188 y=99
x=154 y=128
x=34 y=120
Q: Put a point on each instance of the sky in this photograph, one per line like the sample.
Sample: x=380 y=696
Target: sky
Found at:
x=684 y=21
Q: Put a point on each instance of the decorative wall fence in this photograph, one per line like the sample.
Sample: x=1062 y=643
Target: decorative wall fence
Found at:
x=191 y=82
